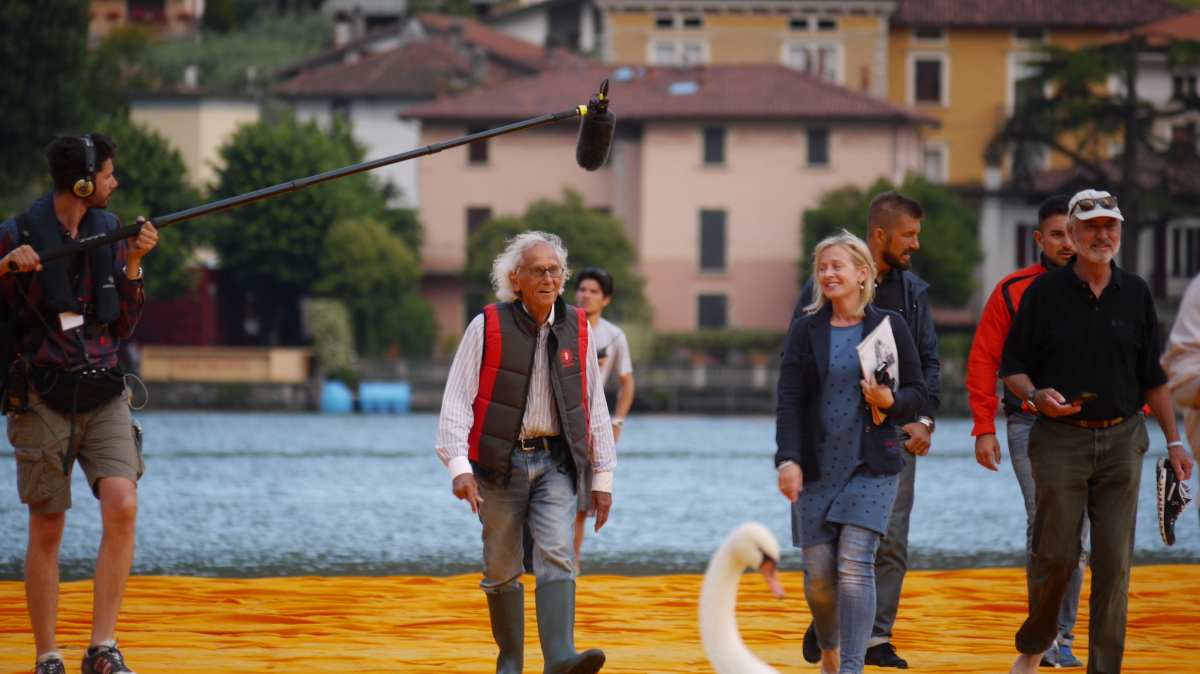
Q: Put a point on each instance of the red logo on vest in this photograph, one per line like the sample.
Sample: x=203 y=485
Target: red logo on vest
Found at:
x=566 y=356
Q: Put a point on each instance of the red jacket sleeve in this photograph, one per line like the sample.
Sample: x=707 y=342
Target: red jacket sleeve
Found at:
x=984 y=362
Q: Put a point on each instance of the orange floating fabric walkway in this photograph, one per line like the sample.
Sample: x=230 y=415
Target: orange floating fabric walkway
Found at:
x=951 y=621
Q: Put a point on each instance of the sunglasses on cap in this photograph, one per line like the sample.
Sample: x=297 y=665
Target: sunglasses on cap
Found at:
x=1089 y=204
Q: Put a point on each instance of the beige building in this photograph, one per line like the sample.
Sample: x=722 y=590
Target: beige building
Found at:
x=961 y=61
x=711 y=171
x=841 y=41
x=198 y=124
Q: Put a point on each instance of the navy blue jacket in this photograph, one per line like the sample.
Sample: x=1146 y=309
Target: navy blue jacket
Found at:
x=799 y=432
x=920 y=322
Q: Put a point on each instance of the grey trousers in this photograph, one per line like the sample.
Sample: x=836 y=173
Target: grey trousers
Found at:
x=1018 y=453
x=891 y=559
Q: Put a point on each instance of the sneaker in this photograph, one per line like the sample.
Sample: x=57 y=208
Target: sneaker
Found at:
x=1066 y=658
x=1173 y=497
x=1050 y=657
x=884 y=655
x=810 y=650
x=51 y=666
x=104 y=660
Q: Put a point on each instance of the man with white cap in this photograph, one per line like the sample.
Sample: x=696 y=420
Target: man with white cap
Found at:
x=1083 y=352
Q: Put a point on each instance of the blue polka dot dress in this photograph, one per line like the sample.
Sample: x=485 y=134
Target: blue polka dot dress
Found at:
x=846 y=492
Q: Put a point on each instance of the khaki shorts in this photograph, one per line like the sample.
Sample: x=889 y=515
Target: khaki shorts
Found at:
x=106 y=447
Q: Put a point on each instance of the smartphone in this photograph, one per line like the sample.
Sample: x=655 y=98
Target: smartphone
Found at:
x=1082 y=399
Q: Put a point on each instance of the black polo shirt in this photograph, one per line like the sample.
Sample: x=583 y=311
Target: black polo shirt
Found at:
x=889 y=293
x=1066 y=339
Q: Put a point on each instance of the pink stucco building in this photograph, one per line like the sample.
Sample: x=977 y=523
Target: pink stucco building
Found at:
x=711 y=172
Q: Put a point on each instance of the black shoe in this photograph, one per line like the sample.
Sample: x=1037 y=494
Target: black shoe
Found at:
x=1173 y=497
x=884 y=655
x=104 y=660
x=810 y=650
x=51 y=666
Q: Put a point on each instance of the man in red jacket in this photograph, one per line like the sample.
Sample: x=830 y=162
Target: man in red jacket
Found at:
x=1056 y=245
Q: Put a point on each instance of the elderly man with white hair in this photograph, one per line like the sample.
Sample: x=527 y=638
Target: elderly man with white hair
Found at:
x=1083 y=352
x=522 y=417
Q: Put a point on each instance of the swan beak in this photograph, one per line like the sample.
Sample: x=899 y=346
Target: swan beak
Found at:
x=771 y=575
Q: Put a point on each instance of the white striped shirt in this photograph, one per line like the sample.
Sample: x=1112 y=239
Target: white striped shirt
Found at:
x=541 y=417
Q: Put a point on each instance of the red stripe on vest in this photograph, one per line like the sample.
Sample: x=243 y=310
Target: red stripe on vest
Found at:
x=583 y=357
x=492 y=343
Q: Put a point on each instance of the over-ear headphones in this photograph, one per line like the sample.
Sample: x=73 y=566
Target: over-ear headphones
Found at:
x=85 y=186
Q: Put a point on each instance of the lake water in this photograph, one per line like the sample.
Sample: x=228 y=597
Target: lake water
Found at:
x=246 y=495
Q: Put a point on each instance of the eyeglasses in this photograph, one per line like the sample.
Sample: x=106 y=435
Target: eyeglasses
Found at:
x=538 y=272
x=1091 y=204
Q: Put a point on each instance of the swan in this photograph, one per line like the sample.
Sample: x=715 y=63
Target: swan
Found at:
x=750 y=545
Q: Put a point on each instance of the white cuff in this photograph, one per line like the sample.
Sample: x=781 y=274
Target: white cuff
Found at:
x=602 y=481
x=459 y=465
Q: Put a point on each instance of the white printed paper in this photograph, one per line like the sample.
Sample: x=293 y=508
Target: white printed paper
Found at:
x=70 y=320
x=879 y=348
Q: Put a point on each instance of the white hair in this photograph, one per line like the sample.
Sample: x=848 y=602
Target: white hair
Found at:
x=511 y=260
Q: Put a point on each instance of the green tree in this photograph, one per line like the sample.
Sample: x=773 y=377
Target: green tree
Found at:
x=375 y=274
x=273 y=248
x=152 y=181
x=48 y=87
x=218 y=16
x=592 y=238
x=223 y=59
x=949 y=243
x=1071 y=110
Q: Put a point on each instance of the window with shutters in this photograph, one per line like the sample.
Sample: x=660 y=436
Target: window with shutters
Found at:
x=712 y=311
x=477 y=152
x=476 y=217
x=712 y=241
x=714 y=145
x=927 y=85
x=818 y=146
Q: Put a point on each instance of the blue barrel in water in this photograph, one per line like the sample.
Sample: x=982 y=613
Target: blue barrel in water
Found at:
x=336 y=398
x=385 y=396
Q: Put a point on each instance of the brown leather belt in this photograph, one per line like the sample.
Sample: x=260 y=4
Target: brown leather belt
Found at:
x=1090 y=424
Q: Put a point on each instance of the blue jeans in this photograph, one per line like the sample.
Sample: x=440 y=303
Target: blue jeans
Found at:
x=1018 y=453
x=839 y=584
x=541 y=490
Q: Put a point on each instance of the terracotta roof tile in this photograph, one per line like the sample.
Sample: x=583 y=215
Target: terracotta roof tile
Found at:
x=419 y=69
x=498 y=43
x=1034 y=13
x=731 y=92
x=1161 y=33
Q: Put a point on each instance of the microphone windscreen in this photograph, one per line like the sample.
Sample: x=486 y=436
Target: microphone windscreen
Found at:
x=595 y=139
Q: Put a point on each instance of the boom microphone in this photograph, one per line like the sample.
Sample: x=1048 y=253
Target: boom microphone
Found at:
x=595 y=137
x=596 y=132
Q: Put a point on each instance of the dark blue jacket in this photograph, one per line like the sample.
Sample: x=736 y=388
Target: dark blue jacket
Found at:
x=799 y=432
x=920 y=322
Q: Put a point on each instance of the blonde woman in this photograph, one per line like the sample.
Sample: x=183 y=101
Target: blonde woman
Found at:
x=836 y=466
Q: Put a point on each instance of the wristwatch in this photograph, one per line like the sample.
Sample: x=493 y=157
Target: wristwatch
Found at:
x=141 y=272
x=929 y=423
x=1029 y=400
x=618 y=423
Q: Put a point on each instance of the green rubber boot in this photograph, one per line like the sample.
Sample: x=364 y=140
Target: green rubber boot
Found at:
x=507 y=610
x=556 y=630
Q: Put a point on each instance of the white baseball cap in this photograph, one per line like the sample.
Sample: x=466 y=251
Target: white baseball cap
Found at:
x=1090 y=204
